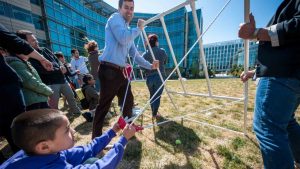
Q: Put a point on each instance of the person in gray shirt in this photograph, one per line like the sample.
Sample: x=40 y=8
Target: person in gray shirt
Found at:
x=153 y=78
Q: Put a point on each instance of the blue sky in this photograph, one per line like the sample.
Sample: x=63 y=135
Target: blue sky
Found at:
x=226 y=27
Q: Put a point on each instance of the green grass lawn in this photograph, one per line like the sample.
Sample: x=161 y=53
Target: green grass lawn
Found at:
x=201 y=146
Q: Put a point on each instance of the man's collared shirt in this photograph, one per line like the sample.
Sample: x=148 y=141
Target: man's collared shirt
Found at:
x=119 y=42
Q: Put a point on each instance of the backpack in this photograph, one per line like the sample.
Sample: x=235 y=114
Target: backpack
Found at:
x=83 y=101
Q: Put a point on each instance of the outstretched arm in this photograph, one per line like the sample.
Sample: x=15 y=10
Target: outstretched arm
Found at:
x=13 y=43
x=79 y=154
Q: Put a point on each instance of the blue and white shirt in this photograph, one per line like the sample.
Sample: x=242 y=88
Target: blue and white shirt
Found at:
x=119 y=42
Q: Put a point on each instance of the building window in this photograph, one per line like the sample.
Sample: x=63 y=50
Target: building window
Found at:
x=49 y=11
x=42 y=43
x=38 y=22
x=1 y=8
x=21 y=14
x=36 y=2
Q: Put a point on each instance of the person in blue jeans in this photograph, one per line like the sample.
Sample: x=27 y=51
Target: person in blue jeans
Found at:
x=278 y=90
x=153 y=79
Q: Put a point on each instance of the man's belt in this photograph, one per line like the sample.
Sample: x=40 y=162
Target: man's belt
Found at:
x=111 y=65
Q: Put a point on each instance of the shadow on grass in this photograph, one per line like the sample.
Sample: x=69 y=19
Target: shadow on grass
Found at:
x=172 y=131
x=71 y=116
x=84 y=128
x=181 y=139
x=173 y=166
x=132 y=155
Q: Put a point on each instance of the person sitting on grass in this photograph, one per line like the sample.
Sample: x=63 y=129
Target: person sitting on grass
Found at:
x=91 y=95
x=47 y=141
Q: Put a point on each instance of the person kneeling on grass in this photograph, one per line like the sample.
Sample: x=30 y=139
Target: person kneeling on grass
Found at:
x=92 y=96
x=47 y=141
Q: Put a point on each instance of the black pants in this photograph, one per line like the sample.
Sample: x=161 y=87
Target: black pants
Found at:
x=2 y=158
x=11 y=104
x=40 y=105
x=113 y=84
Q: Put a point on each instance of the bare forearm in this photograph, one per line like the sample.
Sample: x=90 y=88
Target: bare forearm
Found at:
x=263 y=35
x=35 y=55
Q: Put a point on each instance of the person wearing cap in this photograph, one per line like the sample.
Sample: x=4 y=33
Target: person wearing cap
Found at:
x=153 y=79
x=119 y=43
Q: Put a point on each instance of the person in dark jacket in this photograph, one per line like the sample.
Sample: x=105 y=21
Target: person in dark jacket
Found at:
x=278 y=90
x=93 y=50
x=54 y=79
x=92 y=96
x=89 y=91
x=11 y=96
x=153 y=79
x=47 y=141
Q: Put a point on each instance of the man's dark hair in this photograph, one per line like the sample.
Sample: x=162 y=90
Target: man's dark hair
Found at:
x=121 y=2
x=23 y=34
x=152 y=39
x=32 y=127
x=74 y=50
x=86 y=78
x=59 y=55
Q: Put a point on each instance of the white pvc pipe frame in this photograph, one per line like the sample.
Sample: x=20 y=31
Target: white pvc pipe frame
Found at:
x=246 y=60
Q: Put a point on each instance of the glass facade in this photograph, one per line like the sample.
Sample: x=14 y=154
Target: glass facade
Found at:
x=193 y=59
x=66 y=24
x=12 y=11
x=70 y=22
x=177 y=30
x=221 y=56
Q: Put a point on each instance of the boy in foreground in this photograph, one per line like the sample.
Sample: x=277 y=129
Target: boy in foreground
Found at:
x=47 y=141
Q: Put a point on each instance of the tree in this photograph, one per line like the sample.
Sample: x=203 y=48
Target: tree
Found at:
x=236 y=70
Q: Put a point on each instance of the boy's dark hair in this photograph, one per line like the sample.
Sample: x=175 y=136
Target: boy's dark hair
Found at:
x=152 y=39
x=86 y=78
x=121 y=2
x=59 y=55
x=74 y=50
x=30 y=128
x=23 y=34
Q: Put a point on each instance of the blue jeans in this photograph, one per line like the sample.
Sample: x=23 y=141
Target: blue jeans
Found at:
x=153 y=83
x=97 y=85
x=274 y=122
x=11 y=105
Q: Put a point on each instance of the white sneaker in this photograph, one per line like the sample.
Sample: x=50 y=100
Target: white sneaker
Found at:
x=136 y=111
x=109 y=146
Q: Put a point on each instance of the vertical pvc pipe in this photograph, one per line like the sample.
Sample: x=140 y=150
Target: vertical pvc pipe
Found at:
x=132 y=68
x=192 y=4
x=172 y=51
x=246 y=64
